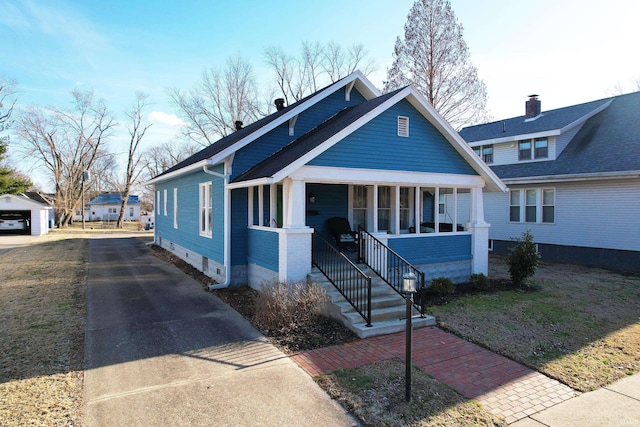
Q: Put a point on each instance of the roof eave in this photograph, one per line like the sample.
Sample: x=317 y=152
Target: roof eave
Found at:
x=594 y=176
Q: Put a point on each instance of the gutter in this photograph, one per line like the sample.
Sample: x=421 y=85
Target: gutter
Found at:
x=596 y=176
x=226 y=226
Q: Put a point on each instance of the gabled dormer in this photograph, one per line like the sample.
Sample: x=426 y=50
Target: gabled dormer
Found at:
x=535 y=137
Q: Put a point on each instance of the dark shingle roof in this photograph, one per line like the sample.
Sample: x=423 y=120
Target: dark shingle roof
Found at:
x=307 y=142
x=236 y=136
x=113 y=199
x=548 y=120
x=607 y=142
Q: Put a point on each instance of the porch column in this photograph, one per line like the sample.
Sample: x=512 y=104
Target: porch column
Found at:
x=293 y=198
x=479 y=234
x=417 y=211
x=250 y=206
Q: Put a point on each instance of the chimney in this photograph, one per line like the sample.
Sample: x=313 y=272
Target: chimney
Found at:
x=279 y=103
x=532 y=107
x=238 y=124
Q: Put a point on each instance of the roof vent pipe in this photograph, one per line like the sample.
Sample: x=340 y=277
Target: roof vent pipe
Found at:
x=238 y=124
x=532 y=107
x=279 y=103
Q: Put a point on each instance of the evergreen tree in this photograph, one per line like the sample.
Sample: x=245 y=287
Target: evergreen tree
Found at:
x=11 y=182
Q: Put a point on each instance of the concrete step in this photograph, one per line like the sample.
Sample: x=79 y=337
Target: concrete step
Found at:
x=388 y=308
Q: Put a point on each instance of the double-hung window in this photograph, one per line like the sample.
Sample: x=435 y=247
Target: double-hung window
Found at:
x=524 y=150
x=532 y=205
x=359 y=206
x=541 y=148
x=405 y=207
x=165 y=201
x=175 y=208
x=485 y=152
x=384 y=208
x=206 y=209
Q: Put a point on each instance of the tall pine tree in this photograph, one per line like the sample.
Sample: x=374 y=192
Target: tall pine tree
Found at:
x=434 y=57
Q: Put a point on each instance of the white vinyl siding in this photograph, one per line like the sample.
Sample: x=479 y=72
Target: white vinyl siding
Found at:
x=589 y=214
x=506 y=153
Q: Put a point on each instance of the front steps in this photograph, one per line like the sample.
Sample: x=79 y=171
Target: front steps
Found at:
x=388 y=308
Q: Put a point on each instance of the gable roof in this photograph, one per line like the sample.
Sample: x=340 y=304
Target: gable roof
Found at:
x=219 y=150
x=113 y=199
x=607 y=143
x=548 y=123
x=312 y=139
x=20 y=198
x=303 y=149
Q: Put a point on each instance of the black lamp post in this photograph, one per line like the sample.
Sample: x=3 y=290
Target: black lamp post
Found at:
x=408 y=289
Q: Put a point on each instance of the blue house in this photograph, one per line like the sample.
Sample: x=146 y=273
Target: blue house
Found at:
x=249 y=208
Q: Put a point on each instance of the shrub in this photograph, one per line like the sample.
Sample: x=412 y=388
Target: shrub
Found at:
x=442 y=286
x=523 y=260
x=285 y=305
x=479 y=281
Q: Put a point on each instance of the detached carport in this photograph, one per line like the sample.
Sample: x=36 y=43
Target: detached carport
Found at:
x=34 y=214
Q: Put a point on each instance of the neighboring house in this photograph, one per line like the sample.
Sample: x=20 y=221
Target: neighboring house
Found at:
x=574 y=180
x=106 y=207
x=26 y=213
x=244 y=209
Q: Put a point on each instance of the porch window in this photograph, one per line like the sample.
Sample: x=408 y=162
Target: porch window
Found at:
x=406 y=205
x=514 y=206
x=206 y=208
x=548 y=205
x=384 y=208
x=359 y=206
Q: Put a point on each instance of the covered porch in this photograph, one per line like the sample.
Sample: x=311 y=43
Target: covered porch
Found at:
x=434 y=221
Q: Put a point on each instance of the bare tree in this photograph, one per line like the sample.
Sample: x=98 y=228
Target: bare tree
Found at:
x=137 y=129
x=297 y=77
x=7 y=101
x=159 y=158
x=434 y=57
x=221 y=98
x=66 y=142
x=11 y=181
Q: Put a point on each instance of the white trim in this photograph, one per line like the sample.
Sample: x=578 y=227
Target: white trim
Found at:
x=331 y=175
x=175 y=207
x=204 y=228
x=164 y=194
x=595 y=176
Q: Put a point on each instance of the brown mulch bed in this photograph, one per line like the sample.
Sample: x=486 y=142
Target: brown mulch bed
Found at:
x=321 y=332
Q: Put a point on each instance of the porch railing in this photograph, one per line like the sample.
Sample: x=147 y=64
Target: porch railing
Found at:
x=349 y=280
x=387 y=263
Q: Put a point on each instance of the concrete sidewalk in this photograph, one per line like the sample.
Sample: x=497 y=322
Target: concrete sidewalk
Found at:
x=615 y=405
x=160 y=351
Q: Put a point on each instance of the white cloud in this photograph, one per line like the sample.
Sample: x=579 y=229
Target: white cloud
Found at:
x=164 y=118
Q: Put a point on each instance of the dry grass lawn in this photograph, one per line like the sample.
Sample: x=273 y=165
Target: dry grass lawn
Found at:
x=42 y=315
x=579 y=325
x=376 y=394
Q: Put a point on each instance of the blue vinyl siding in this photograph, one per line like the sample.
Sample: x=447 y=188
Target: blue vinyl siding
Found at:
x=376 y=145
x=263 y=248
x=432 y=249
x=187 y=234
x=274 y=140
x=239 y=230
x=331 y=200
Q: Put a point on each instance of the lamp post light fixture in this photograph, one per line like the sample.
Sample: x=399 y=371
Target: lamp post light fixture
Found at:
x=408 y=289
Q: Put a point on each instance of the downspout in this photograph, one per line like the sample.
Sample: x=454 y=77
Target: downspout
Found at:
x=226 y=226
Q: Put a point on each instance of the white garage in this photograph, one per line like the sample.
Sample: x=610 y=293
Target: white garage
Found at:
x=21 y=215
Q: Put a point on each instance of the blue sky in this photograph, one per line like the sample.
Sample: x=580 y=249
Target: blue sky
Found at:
x=566 y=51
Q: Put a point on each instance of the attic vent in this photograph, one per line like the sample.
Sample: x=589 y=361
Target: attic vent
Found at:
x=403 y=126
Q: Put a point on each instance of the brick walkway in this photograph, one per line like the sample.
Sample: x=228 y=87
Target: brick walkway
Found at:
x=504 y=387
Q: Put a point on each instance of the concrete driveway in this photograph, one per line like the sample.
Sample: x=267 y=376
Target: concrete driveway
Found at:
x=160 y=351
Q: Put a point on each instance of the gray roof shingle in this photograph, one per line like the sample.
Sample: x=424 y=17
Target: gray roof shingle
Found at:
x=607 y=142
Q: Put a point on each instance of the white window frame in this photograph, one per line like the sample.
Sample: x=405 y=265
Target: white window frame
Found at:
x=165 y=201
x=175 y=207
x=539 y=205
x=205 y=211
x=158 y=202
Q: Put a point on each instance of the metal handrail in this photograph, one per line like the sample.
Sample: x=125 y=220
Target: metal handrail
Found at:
x=387 y=263
x=352 y=283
